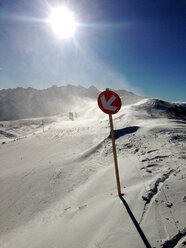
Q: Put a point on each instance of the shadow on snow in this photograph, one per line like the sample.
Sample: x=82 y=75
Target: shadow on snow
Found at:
x=140 y=231
x=121 y=132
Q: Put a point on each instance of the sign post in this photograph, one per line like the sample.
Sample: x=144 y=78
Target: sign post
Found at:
x=43 y=125
x=105 y=101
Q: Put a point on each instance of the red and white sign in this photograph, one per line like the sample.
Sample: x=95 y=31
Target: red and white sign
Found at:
x=109 y=102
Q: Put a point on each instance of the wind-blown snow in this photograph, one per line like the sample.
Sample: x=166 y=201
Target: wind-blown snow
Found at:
x=58 y=188
x=22 y=103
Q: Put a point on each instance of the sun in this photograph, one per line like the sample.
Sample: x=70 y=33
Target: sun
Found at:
x=62 y=22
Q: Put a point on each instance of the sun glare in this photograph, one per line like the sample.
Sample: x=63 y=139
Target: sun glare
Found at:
x=62 y=22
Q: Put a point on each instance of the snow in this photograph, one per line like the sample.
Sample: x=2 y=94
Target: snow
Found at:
x=58 y=188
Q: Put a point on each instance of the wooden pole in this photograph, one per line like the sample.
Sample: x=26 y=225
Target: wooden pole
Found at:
x=43 y=125
x=115 y=154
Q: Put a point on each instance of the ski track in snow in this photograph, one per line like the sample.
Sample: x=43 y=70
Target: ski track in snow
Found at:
x=153 y=191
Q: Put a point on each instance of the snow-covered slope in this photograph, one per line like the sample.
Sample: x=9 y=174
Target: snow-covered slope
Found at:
x=22 y=103
x=58 y=188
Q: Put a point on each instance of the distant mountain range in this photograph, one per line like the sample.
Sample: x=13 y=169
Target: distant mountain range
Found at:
x=23 y=103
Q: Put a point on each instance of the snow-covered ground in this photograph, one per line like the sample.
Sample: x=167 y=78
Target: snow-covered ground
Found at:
x=58 y=188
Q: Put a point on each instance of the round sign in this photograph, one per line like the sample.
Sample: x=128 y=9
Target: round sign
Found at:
x=109 y=102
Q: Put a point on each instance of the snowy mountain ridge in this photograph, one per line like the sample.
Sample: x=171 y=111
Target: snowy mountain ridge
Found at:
x=22 y=103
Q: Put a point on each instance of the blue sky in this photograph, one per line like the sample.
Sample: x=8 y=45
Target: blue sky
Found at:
x=138 y=45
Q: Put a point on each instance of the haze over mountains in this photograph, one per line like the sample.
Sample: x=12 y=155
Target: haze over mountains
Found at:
x=22 y=103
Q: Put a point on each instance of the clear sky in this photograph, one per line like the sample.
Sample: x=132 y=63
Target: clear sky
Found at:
x=138 y=45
